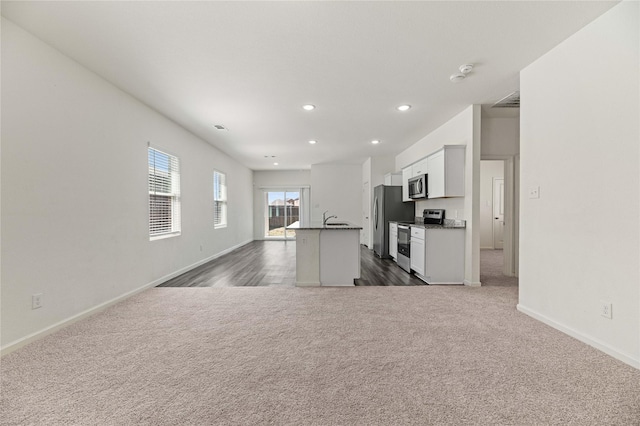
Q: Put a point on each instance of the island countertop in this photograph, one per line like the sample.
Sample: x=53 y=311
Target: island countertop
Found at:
x=448 y=224
x=319 y=225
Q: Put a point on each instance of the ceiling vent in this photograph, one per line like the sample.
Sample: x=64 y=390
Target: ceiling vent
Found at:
x=509 y=101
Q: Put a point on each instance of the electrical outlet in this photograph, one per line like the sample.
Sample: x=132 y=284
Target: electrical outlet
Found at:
x=605 y=309
x=36 y=301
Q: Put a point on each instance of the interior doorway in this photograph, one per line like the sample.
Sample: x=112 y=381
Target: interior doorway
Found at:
x=498 y=215
x=492 y=204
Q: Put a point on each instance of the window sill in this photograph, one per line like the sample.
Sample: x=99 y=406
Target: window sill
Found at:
x=219 y=226
x=164 y=236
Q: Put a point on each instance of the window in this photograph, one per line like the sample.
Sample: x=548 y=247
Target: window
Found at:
x=219 y=199
x=164 y=194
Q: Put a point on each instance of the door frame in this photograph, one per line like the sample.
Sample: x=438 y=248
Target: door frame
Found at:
x=493 y=207
x=366 y=213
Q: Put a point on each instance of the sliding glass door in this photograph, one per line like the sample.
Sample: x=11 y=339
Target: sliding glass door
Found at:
x=282 y=211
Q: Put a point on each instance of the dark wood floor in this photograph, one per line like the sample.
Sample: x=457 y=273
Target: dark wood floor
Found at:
x=376 y=271
x=259 y=263
x=273 y=263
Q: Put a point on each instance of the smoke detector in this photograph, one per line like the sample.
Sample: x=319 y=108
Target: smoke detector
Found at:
x=459 y=76
x=466 y=68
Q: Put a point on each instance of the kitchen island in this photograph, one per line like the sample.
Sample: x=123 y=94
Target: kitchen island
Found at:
x=327 y=255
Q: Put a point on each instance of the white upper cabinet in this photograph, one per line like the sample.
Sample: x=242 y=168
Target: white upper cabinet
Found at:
x=419 y=168
x=446 y=172
x=406 y=175
x=393 y=179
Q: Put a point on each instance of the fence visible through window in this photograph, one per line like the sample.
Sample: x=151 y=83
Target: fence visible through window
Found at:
x=282 y=210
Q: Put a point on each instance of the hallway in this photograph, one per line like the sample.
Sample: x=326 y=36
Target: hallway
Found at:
x=491 y=264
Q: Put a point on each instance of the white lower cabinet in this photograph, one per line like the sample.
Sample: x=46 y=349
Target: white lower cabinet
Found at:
x=393 y=240
x=439 y=255
x=417 y=250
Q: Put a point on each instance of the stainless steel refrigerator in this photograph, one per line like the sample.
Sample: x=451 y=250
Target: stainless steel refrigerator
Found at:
x=388 y=206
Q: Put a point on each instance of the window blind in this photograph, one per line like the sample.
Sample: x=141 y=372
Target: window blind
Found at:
x=219 y=199
x=164 y=193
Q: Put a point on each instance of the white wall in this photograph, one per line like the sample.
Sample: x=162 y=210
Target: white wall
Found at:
x=463 y=129
x=500 y=136
x=489 y=169
x=579 y=144
x=337 y=188
x=276 y=179
x=75 y=194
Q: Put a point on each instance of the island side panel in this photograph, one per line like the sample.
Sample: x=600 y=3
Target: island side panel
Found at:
x=339 y=257
x=307 y=257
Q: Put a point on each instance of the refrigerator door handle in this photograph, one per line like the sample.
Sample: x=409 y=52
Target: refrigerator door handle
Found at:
x=375 y=213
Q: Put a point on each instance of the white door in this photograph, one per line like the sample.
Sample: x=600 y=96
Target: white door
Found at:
x=366 y=212
x=498 y=213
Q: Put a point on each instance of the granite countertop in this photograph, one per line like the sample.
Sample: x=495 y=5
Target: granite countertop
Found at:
x=448 y=224
x=318 y=225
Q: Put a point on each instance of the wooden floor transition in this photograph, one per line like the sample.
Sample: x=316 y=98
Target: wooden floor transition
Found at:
x=273 y=263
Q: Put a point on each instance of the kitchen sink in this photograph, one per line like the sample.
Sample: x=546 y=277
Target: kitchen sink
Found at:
x=337 y=224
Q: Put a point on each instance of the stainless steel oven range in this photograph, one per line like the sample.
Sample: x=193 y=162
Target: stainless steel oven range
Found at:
x=404 y=247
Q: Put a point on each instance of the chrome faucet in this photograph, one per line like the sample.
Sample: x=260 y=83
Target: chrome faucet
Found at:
x=325 y=218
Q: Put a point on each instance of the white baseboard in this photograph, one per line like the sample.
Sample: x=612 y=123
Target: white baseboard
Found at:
x=17 y=344
x=596 y=343
x=308 y=284
x=472 y=283
x=10 y=347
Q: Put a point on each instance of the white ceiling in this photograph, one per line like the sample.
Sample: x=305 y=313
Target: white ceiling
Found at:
x=250 y=66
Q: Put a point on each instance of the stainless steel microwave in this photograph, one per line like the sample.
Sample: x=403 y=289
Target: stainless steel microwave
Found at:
x=418 y=187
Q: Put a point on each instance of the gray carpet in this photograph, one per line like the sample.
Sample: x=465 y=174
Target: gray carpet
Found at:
x=491 y=267
x=445 y=355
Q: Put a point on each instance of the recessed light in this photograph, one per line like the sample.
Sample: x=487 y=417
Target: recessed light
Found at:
x=308 y=107
x=404 y=108
x=375 y=141
x=275 y=164
x=313 y=142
